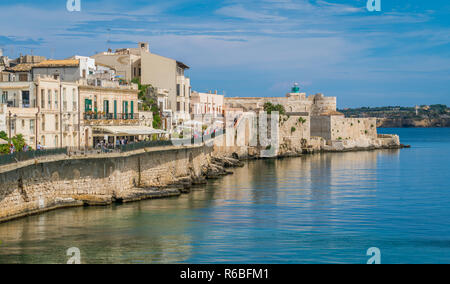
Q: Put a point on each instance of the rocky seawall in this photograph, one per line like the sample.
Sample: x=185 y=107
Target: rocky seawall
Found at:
x=38 y=186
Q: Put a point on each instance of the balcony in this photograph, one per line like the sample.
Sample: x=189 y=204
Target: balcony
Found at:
x=111 y=119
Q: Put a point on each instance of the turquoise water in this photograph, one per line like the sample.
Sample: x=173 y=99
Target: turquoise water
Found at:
x=327 y=208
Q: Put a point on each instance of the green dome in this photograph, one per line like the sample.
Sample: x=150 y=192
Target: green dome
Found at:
x=296 y=88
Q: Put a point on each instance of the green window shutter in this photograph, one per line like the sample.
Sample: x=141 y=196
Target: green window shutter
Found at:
x=132 y=110
x=115 y=109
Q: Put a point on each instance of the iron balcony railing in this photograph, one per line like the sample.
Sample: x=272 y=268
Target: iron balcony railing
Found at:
x=110 y=116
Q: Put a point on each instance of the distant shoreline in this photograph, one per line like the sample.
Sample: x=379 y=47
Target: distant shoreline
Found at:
x=432 y=116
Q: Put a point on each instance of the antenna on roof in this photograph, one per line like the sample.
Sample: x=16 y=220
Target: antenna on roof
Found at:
x=108 y=40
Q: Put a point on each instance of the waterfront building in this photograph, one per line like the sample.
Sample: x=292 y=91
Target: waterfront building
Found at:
x=152 y=69
x=18 y=107
x=109 y=110
x=207 y=105
x=126 y=61
x=69 y=70
x=161 y=97
x=70 y=103
x=58 y=119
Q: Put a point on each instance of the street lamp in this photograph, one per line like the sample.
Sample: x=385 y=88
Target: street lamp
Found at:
x=9 y=128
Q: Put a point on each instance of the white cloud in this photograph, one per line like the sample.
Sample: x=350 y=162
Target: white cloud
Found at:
x=238 y=11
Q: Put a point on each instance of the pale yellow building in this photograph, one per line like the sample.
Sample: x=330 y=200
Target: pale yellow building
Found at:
x=58 y=119
x=111 y=105
x=18 y=110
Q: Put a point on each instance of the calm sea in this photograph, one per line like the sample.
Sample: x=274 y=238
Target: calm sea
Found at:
x=328 y=208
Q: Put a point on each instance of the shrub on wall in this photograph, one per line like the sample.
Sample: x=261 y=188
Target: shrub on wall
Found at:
x=269 y=107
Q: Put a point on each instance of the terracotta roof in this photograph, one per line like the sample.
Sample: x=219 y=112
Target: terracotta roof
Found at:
x=24 y=67
x=332 y=113
x=59 y=63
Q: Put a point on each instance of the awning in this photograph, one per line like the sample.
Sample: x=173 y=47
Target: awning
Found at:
x=128 y=130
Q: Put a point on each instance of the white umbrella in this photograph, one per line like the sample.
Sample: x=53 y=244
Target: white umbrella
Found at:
x=3 y=142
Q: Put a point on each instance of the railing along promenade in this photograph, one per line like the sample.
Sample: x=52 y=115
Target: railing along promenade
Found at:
x=31 y=155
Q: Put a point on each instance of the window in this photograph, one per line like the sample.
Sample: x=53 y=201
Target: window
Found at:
x=87 y=105
x=32 y=125
x=106 y=106
x=115 y=109
x=125 y=109
x=64 y=97
x=23 y=77
x=23 y=123
x=56 y=141
x=43 y=123
x=42 y=140
x=132 y=109
x=49 y=99
x=56 y=122
x=43 y=99
x=4 y=97
x=178 y=90
x=56 y=99
x=75 y=100
x=26 y=99
x=178 y=106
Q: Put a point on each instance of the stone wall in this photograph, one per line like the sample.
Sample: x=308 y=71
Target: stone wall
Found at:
x=291 y=103
x=294 y=134
x=321 y=104
x=102 y=179
x=334 y=128
x=353 y=128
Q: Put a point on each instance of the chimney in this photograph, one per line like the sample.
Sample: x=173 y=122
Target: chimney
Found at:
x=144 y=46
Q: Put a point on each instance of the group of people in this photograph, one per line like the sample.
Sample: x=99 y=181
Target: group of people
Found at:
x=106 y=145
x=12 y=148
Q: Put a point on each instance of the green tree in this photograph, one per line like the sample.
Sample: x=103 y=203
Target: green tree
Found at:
x=269 y=108
x=148 y=104
x=18 y=141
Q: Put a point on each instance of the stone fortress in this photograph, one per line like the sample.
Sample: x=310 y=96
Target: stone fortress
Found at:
x=311 y=123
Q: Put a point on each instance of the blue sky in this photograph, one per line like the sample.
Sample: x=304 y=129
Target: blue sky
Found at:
x=399 y=56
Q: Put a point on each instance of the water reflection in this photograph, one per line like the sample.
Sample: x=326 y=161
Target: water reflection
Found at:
x=319 y=208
